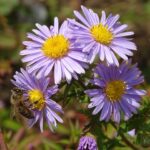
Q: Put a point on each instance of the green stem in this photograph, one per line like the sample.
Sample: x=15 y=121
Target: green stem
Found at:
x=125 y=140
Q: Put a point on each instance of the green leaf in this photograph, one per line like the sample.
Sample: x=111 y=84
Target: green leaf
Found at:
x=64 y=142
x=62 y=130
x=52 y=145
x=10 y=124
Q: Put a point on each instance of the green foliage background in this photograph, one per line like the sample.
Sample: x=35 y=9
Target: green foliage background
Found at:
x=17 y=17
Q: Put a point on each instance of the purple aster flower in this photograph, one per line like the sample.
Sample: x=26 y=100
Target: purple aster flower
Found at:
x=103 y=36
x=116 y=91
x=52 y=50
x=36 y=96
x=87 y=143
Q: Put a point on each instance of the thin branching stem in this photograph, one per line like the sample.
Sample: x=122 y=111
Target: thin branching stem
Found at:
x=3 y=145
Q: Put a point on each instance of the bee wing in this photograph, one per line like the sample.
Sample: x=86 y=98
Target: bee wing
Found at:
x=13 y=112
x=12 y=99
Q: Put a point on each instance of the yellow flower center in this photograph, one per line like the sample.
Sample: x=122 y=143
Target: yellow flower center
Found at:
x=114 y=90
x=101 y=34
x=36 y=98
x=56 y=46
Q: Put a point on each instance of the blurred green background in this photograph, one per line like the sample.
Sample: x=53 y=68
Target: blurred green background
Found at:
x=17 y=17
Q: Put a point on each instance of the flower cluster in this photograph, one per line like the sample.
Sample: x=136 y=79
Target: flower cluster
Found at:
x=62 y=53
x=37 y=92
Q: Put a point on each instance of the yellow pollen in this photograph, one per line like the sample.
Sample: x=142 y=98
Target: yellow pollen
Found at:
x=36 y=98
x=56 y=46
x=102 y=34
x=114 y=90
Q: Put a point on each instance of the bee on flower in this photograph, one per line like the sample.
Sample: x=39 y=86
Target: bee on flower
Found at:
x=37 y=98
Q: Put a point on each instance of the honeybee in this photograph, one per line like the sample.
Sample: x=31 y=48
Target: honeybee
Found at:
x=20 y=109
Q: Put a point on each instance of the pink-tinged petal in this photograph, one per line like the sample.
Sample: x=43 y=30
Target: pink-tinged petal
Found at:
x=87 y=14
x=56 y=25
x=50 y=117
x=113 y=21
x=39 y=33
x=103 y=18
x=20 y=78
x=77 y=24
x=131 y=132
x=140 y=92
x=105 y=110
x=78 y=56
x=29 y=51
x=101 y=52
x=120 y=29
x=35 y=38
x=98 y=108
x=67 y=65
x=77 y=67
x=84 y=41
x=126 y=51
x=63 y=27
x=41 y=71
x=57 y=72
x=38 y=65
x=124 y=34
x=124 y=43
x=135 y=104
x=49 y=68
x=55 y=115
x=94 y=17
x=44 y=29
x=116 y=113
x=31 y=44
x=93 y=92
x=54 y=105
x=108 y=54
x=35 y=60
x=41 y=122
x=118 y=51
x=95 y=101
x=93 y=54
x=89 y=47
x=80 y=33
x=98 y=82
x=67 y=74
x=109 y=114
x=33 y=121
x=28 y=58
x=81 y=18
x=115 y=60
